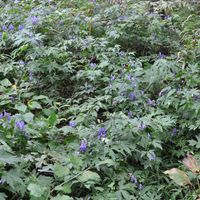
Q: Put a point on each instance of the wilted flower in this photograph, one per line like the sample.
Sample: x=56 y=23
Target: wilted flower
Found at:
x=93 y=65
x=83 y=146
x=167 y=17
x=11 y=27
x=121 y=18
x=72 y=124
x=151 y=102
x=174 y=131
x=20 y=27
x=30 y=75
x=149 y=136
x=152 y=156
x=142 y=126
x=140 y=187
x=133 y=179
x=130 y=114
x=34 y=20
x=112 y=77
x=12 y=98
x=1 y=181
x=161 y=55
x=133 y=84
x=20 y=125
x=102 y=133
x=132 y=96
x=129 y=77
x=122 y=53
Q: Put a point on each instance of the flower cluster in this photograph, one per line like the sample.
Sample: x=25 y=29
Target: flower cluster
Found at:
x=11 y=28
x=20 y=125
x=72 y=124
x=134 y=180
x=132 y=96
x=83 y=146
x=101 y=133
x=6 y=115
x=142 y=126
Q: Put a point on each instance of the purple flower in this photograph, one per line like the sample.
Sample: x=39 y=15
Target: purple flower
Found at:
x=83 y=146
x=4 y=28
x=101 y=133
x=167 y=17
x=151 y=102
x=132 y=96
x=130 y=114
x=122 y=53
x=11 y=27
x=34 y=20
x=161 y=55
x=21 y=62
x=0 y=35
x=20 y=27
x=112 y=77
x=174 y=131
x=140 y=187
x=133 y=84
x=121 y=18
x=1 y=181
x=129 y=77
x=72 y=124
x=12 y=98
x=142 y=126
x=93 y=65
x=132 y=63
x=133 y=179
x=152 y=156
x=8 y=115
x=20 y=125
x=30 y=75
x=1 y=115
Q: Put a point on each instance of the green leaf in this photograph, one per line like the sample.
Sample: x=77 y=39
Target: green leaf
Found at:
x=28 y=117
x=62 y=197
x=66 y=188
x=5 y=83
x=14 y=179
x=7 y=157
x=52 y=119
x=157 y=144
x=3 y=196
x=61 y=171
x=89 y=176
x=21 y=107
x=107 y=162
x=178 y=176
x=76 y=161
x=36 y=190
x=34 y=105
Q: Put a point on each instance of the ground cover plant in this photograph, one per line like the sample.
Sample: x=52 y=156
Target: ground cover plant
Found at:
x=99 y=100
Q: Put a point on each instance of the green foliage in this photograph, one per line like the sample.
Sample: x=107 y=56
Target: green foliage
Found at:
x=98 y=99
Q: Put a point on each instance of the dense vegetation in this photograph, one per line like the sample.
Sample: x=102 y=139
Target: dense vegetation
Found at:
x=99 y=100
